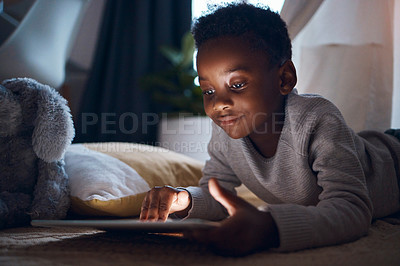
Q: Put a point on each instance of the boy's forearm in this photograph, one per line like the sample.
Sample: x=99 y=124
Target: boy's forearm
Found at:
x=272 y=237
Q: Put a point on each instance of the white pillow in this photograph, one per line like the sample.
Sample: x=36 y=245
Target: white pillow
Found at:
x=94 y=177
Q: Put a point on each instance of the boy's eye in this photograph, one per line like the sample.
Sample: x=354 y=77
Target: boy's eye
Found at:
x=208 y=92
x=238 y=85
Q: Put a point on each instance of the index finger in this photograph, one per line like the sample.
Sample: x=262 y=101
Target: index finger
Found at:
x=145 y=207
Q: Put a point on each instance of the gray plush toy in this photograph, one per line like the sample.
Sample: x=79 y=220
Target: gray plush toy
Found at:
x=35 y=130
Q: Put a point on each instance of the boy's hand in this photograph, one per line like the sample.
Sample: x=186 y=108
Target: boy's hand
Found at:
x=245 y=231
x=161 y=201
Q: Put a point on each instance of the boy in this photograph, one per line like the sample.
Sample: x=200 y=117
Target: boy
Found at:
x=322 y=182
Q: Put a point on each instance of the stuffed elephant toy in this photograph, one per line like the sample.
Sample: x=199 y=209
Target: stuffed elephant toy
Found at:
x=36 y=128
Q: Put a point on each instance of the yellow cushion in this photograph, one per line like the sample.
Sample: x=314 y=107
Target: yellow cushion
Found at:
x=157 y=166
x=123 y=207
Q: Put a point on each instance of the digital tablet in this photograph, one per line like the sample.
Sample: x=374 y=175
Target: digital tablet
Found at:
x=131 y=224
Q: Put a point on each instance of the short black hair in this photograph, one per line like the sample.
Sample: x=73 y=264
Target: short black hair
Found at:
x=266 y=29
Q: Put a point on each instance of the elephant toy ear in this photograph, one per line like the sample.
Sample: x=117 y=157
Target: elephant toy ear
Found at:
x=10 y=113
x=53 y=126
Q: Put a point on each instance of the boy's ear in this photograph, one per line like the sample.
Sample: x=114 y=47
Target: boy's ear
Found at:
x=288 y=77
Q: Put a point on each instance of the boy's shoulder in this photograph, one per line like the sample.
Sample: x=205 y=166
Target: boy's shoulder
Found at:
x=310 y=104
x=305 y=112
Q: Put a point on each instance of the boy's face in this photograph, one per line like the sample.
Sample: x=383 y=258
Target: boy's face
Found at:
x=242 y=93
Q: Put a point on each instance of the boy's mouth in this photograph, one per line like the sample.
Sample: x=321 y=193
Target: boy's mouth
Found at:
x=228 y=120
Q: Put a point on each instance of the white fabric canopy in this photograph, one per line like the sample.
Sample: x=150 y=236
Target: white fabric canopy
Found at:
x=396 y=67
x=344 y=51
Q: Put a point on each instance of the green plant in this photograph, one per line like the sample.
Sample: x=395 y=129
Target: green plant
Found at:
x=174 y=86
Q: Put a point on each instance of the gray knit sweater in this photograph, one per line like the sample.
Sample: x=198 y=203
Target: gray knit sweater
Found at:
x=324 y=184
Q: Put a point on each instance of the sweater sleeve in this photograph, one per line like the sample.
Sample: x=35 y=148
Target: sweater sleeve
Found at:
x=344 y=210
x=203 y=204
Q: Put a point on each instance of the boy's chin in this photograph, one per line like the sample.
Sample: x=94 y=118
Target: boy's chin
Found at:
x=235 y=134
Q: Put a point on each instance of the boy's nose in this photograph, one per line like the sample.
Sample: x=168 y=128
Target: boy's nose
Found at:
x=221 y=101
